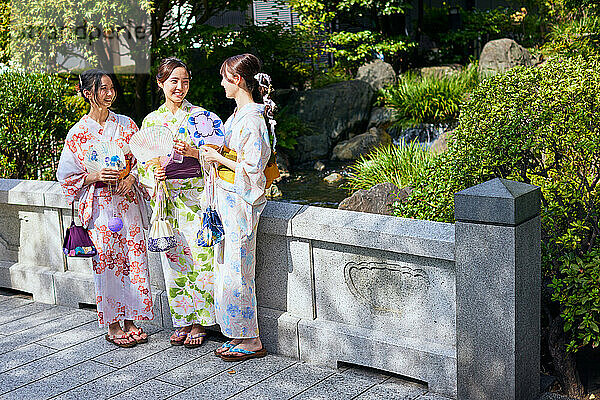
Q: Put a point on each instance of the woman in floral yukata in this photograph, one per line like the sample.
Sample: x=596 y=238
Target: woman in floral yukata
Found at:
x=187 y=268
x=240 y=204
x=120 y=267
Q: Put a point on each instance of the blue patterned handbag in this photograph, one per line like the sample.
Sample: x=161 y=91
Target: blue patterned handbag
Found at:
x=211 y=231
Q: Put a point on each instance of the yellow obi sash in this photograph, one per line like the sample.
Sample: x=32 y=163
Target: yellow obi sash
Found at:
x=228 y=175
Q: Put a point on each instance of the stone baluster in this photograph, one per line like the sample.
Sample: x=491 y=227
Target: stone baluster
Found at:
x=498 y=291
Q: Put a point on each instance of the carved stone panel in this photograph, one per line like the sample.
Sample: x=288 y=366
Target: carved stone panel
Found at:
x=386 y=287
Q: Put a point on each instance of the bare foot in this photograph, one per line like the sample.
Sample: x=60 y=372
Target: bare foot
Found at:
x=232 y=343
x=251 y=344
x=195 y=337
x=180 y=334
x=115 y=331
x=136 y=333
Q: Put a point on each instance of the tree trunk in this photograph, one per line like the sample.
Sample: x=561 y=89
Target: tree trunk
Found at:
x=141 y=90
x=564 y=362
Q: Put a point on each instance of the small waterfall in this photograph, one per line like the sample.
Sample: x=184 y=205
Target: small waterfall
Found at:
x=423 y=133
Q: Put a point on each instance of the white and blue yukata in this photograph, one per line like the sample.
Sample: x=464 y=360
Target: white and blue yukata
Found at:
x=240 y=204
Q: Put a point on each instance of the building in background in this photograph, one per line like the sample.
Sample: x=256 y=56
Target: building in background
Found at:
x=259 y=13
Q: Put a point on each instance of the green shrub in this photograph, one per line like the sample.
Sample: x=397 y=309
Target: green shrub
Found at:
x=4 y=30
x=578 y=292
x=37 y=111
x=429 y=99
x=332 y=75
x=353 y=49
x=540 y=126
x=460 y=44
x=395 y=164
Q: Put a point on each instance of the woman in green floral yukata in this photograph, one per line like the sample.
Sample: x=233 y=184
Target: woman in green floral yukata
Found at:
x=187 y=268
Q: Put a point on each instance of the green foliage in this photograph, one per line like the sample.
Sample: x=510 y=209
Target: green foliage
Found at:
x=429 y=99
x=288 y=128
x=395 y=164
x=458 y=45
x=333 y=75
x=380 y=7
x=576 y=35
x=353 y=49
x=578 y=292
x=540 y=126
x=43 y=29
x=4 y=30
x=37 y=111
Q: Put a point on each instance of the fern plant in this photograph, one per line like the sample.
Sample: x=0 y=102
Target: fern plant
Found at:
x=429 y=99
x=391 y=163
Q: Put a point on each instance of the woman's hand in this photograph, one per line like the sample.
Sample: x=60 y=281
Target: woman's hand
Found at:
x=213 y=156
x=159 y=173
x=185 y=149
x=107 y=175
x=210 y=154
x=125 y=185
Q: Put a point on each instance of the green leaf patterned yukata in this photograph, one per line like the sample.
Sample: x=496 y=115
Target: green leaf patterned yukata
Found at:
x=187 y=268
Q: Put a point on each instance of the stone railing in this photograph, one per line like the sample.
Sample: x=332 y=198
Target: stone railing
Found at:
x=455 y=306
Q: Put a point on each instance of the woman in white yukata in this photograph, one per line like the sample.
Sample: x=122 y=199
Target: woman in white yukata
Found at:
x=187 y=268
x=120 y=267
x=240 y=204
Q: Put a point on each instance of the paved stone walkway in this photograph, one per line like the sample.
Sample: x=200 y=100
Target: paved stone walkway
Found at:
x=54 y=352
x=49 y=351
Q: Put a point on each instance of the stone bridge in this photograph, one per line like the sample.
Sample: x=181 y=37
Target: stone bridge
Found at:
x=453 y=306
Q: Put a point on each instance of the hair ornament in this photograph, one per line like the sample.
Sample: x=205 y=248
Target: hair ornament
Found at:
x=264 y=81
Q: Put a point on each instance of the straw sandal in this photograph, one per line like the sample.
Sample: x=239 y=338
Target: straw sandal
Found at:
x=112 y=339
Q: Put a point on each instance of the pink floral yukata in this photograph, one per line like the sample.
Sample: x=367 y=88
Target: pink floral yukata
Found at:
x=121 y=267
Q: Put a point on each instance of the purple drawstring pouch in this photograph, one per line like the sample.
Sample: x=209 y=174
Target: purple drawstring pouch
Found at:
x=77 y=241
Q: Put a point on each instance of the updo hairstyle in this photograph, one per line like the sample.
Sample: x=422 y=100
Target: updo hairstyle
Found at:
x=91 y=80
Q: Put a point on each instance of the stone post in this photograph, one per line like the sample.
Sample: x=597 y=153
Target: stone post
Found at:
x=498 y=291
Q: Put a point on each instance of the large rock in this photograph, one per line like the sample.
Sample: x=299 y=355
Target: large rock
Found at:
x=378 y=74
x=381 y=117
x=283 y=163
x=377 y=200
x=351 y=149
x=313 y=147
x=332 y=112
x=441 y=71
x=503 y=54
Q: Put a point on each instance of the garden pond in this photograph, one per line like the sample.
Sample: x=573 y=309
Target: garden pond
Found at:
x=307 y=186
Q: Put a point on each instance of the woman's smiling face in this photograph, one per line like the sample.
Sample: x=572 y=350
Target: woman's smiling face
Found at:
x=105 y=95
x=176 y=86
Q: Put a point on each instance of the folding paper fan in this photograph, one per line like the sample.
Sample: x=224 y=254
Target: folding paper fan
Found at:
x=152 y=142
x=104 y=155
x=206 y=127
